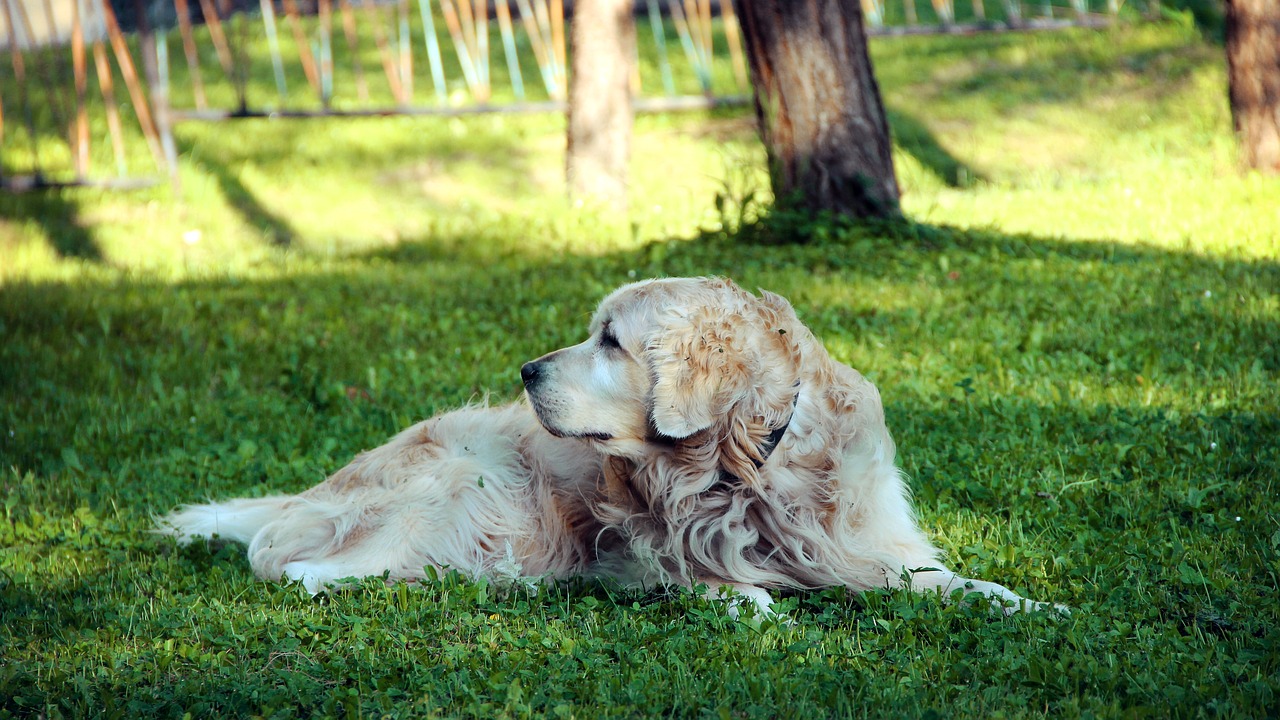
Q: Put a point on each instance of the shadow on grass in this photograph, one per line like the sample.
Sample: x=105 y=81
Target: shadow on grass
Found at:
x=1014 y=72
x=58 y=217
x=130 y=396
x=274 y=227
x=472 y=309
x=914 y=137
x=357 y=159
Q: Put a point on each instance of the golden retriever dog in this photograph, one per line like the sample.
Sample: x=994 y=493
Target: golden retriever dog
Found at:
x=699 y=435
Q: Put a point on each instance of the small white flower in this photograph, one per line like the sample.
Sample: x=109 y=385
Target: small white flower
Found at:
x=1208 y=293
x=191 y=237
x=1237 y=518
x=1213 y=446
x=193 y=418
x=631 y=274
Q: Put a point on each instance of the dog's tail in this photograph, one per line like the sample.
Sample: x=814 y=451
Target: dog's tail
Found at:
x=238 y=520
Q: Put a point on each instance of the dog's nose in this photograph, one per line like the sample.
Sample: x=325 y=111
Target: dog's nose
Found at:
x=530 y=372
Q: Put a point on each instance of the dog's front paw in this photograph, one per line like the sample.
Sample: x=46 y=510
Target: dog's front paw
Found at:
x=315 y=577
x=1025 y=605
x=747 y=603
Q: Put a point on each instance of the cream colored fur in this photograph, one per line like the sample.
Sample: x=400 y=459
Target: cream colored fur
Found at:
x=643 y=453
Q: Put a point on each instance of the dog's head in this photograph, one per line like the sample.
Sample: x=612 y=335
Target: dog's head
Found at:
x=690 y=360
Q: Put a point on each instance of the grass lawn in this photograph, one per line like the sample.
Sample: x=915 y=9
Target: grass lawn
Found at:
x=1077 y=339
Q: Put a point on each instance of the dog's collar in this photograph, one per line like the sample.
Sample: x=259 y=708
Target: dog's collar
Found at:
x=771 y=442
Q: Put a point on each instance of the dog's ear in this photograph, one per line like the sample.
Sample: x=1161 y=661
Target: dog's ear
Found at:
x=756 y=423
x=732 y=371
x=697 y=373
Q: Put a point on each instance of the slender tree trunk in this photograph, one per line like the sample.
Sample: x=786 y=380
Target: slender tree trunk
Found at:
x=1253 y=66
x=819 y=106
x=599 y=143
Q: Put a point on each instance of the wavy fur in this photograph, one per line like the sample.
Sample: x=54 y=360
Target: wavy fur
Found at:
x=645 y=453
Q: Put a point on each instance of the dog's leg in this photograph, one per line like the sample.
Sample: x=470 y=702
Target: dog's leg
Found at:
x=317 y=576
x=946 y=582
x=742 y=594
x=321 y=542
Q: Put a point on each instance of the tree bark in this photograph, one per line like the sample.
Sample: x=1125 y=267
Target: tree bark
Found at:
x=602 y=34
x=819 y=107
x=1253 y=68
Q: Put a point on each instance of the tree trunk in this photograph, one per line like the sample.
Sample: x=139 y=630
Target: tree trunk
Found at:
x=819 y=107
x=599 y=138
x=1253 y=68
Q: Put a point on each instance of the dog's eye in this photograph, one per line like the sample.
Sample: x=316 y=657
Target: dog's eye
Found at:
x=609 y=341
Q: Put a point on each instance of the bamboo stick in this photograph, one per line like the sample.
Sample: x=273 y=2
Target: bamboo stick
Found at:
x=353 y=45
x=557 y=39
x=871 y=13
x=219 y=38
x=672 y=104
x=660 y=39
x=136 y=91
x=388 y=61
x=28 y=183
x=81 y=81
x=158 y=74
x=694 y=21
x=540 y=50
x=189 y=49
x=326 y=52
x=27 y=31
x=543 y=15
x=239 y=54
x=457 y=33
x=482 y=45
x=704 y=11
x=20 y=74
x=686 y=42
x=468 y=25
x=505 y=26
x=1013 y=12
x=62 y=114
x=733 y=34
x=106 y=86
x=304 y=48
x=47 y=82
x=273 y=46
x=406 y=51
x=945 y=10
x=433 y=51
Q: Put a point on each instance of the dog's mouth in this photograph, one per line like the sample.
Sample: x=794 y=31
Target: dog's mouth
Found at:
x=546 y=418
x=597 y=436
x=576 y=435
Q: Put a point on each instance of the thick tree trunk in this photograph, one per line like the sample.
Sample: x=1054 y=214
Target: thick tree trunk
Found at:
x=819 y=106
x=1253 y=65
x=599 y=144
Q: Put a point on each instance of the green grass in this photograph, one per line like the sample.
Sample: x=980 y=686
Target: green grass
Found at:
x=1075 y=338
